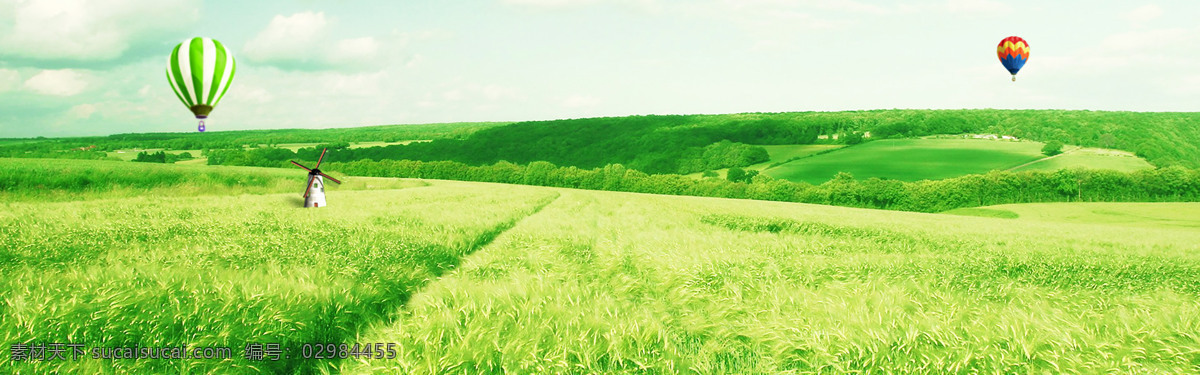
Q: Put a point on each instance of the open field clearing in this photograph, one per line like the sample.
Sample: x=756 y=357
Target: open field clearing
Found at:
x=1095 y=158
x=911 y=159
x=783 y=153
x=297 y=146
x=1155 y=215
x=939 y=158
x=380 y=144
x=226 y=271
x=630 y=283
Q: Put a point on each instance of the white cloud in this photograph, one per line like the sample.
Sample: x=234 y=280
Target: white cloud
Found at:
x=89 y=30
x=1144 y=14
x=770 y=19
x=1133 y=51
x=357 y=49
x=476 y=93
x=82 y=111
x=496 y=92
x=1187 y=85
x=294 y=38
x=580 y=101
x=254 y=94
x=549 y=3
x=452 y=95
x=64 y=82
x=304 y=41
x=9 y=79
x=977 y=6
x=648 y=6
x=1161 y=40
x=846 y=6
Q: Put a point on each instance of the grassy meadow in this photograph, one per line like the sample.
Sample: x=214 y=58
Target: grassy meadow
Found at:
x=940 y=158
x=1095 y=158
x=224 y=271
x=485 y=278
x=62 y=180
x=1155 y=215
x=628 y=283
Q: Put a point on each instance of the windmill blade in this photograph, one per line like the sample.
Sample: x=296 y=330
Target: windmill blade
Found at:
x=311 y=178
x=301 y=166
x=321 y=158
x=330 y=178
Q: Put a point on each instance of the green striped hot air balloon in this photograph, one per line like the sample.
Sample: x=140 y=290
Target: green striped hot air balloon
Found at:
x=200 y=71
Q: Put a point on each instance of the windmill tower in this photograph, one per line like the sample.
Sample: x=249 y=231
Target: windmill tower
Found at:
x=314 y=195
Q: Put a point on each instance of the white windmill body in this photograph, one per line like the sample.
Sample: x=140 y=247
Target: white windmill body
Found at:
x=316 y=191
x=314 y=195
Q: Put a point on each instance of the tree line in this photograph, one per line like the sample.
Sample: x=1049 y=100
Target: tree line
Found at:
x=669 y=144
x=1069 y=185
x=242 y=138
x=672 y=144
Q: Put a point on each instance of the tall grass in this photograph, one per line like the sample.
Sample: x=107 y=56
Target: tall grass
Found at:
x=576 y=281
x=230 y=270
x=625 y=283
x=62 y=180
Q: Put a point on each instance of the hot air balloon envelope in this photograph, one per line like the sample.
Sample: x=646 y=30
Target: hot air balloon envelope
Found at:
x=1013 y=52
x=200 y=71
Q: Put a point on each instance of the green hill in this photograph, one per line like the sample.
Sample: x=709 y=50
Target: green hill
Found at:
x=683 y=144
x=911 y=160
x=1095 y=158
x=488 y=278
x=939 y=158
x=667 y=144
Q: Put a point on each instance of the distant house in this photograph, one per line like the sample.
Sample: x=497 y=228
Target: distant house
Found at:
x=995 y=137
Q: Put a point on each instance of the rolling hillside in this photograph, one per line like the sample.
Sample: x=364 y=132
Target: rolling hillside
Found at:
x=485 y=278
x=933 y=159
x=1096 y=158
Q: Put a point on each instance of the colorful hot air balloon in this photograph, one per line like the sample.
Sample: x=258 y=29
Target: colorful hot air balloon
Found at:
x=1013 y=52
x=200 y=70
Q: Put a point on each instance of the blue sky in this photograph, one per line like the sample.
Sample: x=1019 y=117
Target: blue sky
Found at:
x=79 y=67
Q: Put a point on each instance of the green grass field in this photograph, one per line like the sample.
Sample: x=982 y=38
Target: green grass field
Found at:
x=1095 y=158
x=1157 y=215
x=911 y=159
x=488 y=278
x=939 y=158
x=63 y=179
x=208 y=271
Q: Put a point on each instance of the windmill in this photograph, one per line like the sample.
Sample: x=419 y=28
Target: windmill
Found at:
x=314 y=194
